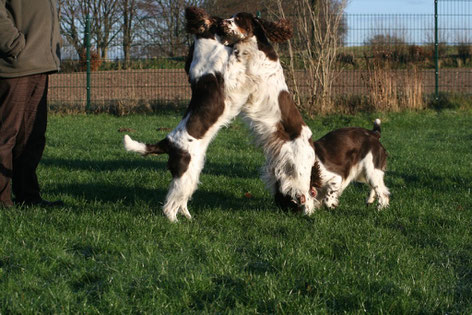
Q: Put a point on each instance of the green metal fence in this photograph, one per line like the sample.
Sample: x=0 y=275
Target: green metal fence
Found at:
x=431 y=53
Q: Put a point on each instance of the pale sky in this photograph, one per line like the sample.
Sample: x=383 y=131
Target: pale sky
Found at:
x=412 y=20
x=390 y=7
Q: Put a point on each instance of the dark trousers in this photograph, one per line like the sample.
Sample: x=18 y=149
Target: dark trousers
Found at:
x=23 y=121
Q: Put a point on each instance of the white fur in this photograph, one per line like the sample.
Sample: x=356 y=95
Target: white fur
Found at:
x=287 y=162
x=209 y=57
x=182 y=188
x=252 y=85
x=134 y=146
x=365 y=172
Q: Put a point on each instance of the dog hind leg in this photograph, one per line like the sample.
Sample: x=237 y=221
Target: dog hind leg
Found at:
x=182 y=187
x=376 y=182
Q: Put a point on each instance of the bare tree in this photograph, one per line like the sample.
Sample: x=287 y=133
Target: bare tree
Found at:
x=319 y=35
x=129 y=12
x=226 y=8
x=104 y=27
x=105 y=23
x=163 y=26
x=73 y=23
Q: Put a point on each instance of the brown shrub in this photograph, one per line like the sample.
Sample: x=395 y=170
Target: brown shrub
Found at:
x=95 y=60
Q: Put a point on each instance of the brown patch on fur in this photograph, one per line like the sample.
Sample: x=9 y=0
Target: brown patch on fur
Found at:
x=200 y=23
x=206 y=105
x=291 y=123
x=279 y=31
x=252 y=26
x=263 y=43
x=315 y=179
x=245 y=22
x=342 y=148
x=188 y=60
x=161 y=147
x=178 y=159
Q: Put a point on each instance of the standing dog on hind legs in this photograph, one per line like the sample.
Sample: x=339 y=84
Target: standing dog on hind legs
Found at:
x=350 y=154
x=218 y=92
x=271 y=112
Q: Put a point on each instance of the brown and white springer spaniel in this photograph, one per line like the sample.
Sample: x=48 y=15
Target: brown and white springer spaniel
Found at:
x=218 y=93
x=220 y=88
x=271 y=112
x=350 y=154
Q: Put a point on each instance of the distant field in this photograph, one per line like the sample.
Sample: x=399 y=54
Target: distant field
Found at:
x=110 y=250
x=171 y=85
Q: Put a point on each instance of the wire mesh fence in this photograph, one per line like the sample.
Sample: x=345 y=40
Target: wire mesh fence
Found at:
x=403 y=44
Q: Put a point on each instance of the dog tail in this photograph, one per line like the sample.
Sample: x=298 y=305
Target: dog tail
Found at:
x=377 y=126
x=145 y=149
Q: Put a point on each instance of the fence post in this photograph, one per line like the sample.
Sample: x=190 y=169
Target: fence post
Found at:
x=87 y=47
x=436 y=50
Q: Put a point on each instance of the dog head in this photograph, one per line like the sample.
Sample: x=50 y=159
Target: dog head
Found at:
x=299 y=204
x=201 y=24
x=245 y=25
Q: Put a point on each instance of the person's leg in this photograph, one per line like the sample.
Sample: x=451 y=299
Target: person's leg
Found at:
x=13 y=95
x=28 y=152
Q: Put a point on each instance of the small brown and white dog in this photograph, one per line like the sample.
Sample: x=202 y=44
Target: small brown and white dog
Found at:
x=350 y=154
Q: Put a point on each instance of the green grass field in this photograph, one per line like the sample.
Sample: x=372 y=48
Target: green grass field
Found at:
x=110 y=249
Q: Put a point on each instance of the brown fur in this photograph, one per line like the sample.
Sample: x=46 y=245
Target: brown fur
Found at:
x=316 y=176
x=342 y=148
x=264 y=31
x=178 y=159
x=200 y=23
x=206 y=105
x=279 y=31
x=188 y=60
x=290 y=126
x=207 y=102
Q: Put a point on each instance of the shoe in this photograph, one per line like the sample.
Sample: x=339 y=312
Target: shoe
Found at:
x=42 y=203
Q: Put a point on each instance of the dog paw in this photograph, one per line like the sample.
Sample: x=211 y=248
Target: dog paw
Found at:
x=331 y=204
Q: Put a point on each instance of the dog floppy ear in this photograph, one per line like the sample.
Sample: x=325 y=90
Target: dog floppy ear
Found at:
x=198 y=20
x=277 y=32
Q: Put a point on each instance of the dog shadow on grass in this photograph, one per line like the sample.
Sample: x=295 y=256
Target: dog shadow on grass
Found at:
x=104 y=165
x=104 y=190
x=231 y=170
x=425 y=178
x=136 y=196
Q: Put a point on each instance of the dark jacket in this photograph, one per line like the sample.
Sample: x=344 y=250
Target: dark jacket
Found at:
x=29 y=37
